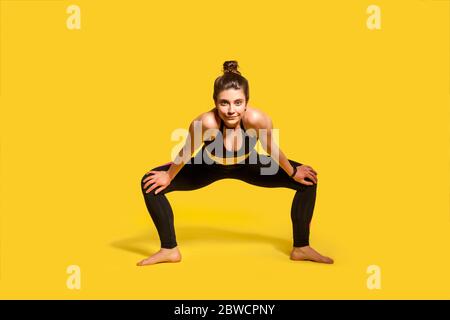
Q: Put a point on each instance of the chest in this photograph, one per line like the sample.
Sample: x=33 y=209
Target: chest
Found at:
x=232 y=141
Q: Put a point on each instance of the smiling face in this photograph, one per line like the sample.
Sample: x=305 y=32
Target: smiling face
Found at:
x=231 y=105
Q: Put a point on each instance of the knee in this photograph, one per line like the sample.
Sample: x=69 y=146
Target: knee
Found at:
x=314 y=184
x=145 y=188
x=308 y=188
x=143 y=182
x=313 y=187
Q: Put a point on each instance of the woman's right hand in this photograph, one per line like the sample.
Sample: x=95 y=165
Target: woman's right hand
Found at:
x=159 y=179
x=304 y=171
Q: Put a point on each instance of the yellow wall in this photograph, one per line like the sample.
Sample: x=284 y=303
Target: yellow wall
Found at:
x=86 y=112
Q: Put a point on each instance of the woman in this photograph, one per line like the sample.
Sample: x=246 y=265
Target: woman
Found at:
x=230 y=153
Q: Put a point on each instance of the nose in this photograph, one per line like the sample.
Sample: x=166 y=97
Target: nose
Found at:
x=230 y=110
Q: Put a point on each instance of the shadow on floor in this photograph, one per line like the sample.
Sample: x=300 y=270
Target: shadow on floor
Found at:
x=140 y=244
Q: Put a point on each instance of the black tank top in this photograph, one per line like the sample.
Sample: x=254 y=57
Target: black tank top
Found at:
x=215 y=146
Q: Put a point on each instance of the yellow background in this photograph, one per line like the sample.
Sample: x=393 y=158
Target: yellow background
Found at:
x=85 y=113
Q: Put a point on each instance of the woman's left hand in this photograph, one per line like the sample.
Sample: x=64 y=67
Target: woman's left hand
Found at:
x=159 y=179
x=303 y=172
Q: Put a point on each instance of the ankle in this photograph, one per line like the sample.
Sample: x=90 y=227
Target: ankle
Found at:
x=300 y=248
x=169 y=249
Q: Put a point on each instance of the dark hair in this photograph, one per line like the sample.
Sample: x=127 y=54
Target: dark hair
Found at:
x=231 y=78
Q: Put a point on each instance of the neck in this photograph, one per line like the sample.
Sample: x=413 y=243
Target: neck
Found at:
x=234 y=128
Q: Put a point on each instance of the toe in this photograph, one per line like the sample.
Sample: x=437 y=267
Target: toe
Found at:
x=329 y=260
x=142 y=262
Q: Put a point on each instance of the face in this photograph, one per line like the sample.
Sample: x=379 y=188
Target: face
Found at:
x=231 y=105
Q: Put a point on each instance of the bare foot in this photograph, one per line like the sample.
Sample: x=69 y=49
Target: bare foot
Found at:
x=308 y=253
x=163 y=255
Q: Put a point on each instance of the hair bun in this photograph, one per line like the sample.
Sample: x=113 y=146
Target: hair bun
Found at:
x=231 y=66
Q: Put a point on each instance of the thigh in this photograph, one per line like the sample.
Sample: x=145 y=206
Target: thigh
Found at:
x=267 y=173
x=191 y=176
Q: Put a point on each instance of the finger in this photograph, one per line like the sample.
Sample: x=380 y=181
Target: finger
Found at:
x=306 y=182
x=148 y=178
x=146 y=186
x=159 y=189
x=311 y=177
x=151 y=188
x=155 y=185
x=312 y=173
x=151 y=171
x=312 y=169
x=149 y=183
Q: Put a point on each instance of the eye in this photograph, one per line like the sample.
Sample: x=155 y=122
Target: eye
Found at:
x=238 y=102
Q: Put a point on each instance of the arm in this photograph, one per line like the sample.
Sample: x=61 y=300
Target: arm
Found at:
x=267 y=141
x=161 y=179
x=193 y=141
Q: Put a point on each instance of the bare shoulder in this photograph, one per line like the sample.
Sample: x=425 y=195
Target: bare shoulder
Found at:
x=208 y=119
x=255 y=118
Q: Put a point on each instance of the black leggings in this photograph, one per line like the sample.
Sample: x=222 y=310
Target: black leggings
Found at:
x=197 y=175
